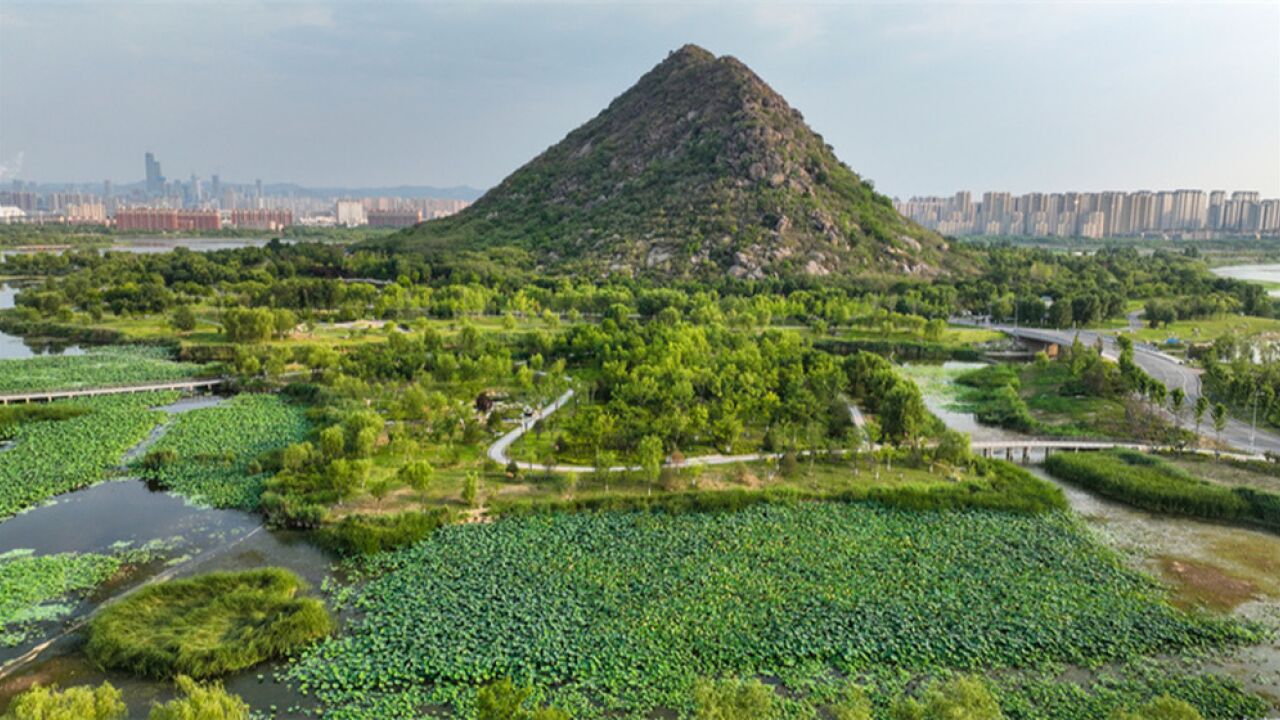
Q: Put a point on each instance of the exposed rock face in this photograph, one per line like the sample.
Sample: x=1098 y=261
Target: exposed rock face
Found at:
x=699 y=169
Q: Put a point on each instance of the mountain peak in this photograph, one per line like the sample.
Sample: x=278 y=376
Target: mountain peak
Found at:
x=700 y=168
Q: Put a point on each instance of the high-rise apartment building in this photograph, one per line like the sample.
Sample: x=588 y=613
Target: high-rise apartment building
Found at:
x=1183 y=213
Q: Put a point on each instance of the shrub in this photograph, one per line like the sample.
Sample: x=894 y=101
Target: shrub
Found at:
x=201 y=702
x=1161 y=708
x=501 y=700
x=1153 y=484
x=732 y=699
x=76 y=703
x=366 y=535
x=207 y=625
x=961 y=698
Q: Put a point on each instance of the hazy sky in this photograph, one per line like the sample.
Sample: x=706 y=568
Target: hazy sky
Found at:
x=921 y=98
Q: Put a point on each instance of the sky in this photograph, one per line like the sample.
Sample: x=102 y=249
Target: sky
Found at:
x=921 y=98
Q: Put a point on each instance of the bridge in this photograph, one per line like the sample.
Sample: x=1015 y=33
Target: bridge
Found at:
x=50 y=395
x=1024 y=449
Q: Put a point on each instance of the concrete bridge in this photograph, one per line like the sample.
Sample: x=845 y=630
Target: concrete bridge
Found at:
x=1025 y=450
x=50 y=395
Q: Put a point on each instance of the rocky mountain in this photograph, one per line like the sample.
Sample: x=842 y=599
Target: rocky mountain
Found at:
x=699 y=169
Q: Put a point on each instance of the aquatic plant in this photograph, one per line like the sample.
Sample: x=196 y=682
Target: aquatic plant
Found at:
x=624 y=611
x=207 y=625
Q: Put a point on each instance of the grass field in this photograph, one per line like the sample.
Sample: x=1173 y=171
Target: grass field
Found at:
x=1207 y=329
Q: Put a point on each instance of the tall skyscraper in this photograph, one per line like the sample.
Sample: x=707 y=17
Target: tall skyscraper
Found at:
x=155 y=180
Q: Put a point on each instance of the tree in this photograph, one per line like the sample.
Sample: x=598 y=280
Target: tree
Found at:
x=1161 y=708
x=732 y=699
x=502 y=700
x=201 y=702
x=75 y=703
x=1177 y=400
x=1199 y=409
x=418 y=475
x=471 y=488
x=1219 y=419
x=903 y=413
x=183 y=319
x=953 y=447
x=333 y=442
x=650 y=452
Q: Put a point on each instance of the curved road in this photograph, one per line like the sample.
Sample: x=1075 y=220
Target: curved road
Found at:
x=1166 y=369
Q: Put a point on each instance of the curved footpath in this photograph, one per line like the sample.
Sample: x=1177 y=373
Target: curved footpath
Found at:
x=498 y=450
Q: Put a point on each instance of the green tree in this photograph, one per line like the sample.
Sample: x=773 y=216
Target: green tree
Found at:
x=903 y=413
x=183 y=319
x=75 y=703
x=650 y=452
x=418 y=475
x=333 y=442
x=732 y=699
x=1219 y=419
x=1177 y=400
x=1199 y=409
x=471 y=488
x=201 y=702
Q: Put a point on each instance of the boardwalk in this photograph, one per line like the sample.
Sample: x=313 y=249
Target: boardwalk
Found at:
x=50 y=395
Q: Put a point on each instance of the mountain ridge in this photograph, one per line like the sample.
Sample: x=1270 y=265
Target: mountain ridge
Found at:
x=700 y=168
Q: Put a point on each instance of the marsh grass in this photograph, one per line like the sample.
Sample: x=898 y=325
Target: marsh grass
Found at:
x=207 y=625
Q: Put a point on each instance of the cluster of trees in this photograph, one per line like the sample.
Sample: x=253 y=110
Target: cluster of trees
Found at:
x=1246 y=374
x=1086 y=289
x=692 y=384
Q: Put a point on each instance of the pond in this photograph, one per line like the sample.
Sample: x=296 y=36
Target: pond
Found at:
x=193 y=540
x=1268 y=274
x=14 y=347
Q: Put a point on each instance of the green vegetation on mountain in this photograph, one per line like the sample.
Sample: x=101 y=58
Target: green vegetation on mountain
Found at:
x=699 y=169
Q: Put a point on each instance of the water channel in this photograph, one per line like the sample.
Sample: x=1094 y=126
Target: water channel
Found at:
x=190 y=540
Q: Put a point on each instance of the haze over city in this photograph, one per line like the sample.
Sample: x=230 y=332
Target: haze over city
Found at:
x=923 y=99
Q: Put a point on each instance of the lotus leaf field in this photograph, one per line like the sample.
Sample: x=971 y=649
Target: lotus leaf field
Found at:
x=619 y=613
x=212 y=449
x=56 y=456
x=112 y=365
x=31 y=586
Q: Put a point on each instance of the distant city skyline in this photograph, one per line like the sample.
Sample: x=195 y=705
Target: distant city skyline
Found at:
x=1184 y=213
x=921 y=98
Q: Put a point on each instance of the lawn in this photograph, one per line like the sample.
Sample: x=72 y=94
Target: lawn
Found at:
x=1207 y=329
x=619 y=613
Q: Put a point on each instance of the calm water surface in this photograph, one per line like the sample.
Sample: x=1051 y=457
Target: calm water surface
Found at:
x=1252 y=273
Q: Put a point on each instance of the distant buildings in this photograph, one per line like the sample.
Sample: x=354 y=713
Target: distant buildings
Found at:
x=349 y=213
x=394 y=218
x=166 y=220
x=260 y=219
x=155 y=180
x=1175 y=213
x=162 y=205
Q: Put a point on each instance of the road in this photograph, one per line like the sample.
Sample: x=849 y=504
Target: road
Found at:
x=1166 y=369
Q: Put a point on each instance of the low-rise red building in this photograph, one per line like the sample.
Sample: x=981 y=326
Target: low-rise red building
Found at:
x=167 y=220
